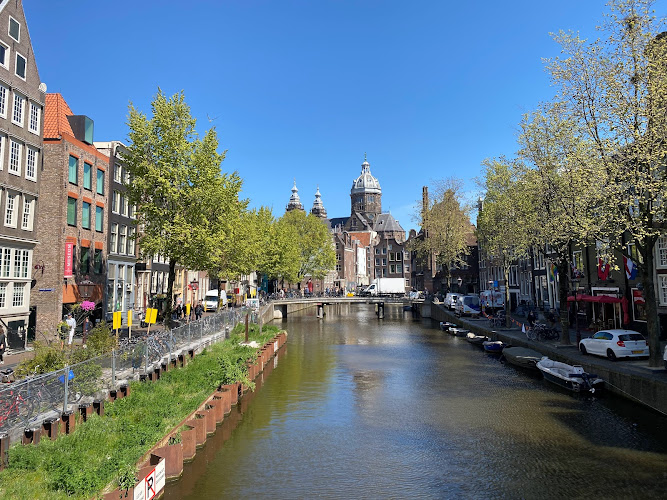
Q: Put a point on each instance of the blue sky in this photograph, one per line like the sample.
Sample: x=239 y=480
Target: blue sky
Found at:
x=302 y=89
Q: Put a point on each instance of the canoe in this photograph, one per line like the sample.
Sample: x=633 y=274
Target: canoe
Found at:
x=476 y=339
x=570 y=377
x=494 y=347
x=459 y=332
x=522 y=357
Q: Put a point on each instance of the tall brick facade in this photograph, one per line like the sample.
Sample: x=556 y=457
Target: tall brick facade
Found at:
x=73 y=220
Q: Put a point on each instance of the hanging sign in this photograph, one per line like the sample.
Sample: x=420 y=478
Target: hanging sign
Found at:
x=69 y=257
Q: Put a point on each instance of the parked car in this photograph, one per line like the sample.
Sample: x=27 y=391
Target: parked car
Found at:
x=451 y=298
x=468 y=305
x=615 y=344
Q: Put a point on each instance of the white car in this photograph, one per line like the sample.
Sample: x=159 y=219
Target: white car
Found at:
x=615 y=344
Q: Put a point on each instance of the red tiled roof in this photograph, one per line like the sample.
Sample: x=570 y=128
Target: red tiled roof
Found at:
x=363 y=237
x=56 y=112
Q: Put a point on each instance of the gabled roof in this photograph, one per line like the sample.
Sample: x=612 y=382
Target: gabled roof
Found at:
x=386 y=222
x=337 y=221
x=56 y=112
x=364 y=238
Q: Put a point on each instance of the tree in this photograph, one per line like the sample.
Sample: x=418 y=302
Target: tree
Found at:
x=180 y=194
x=561 y=183
x=445 y=227
x=616 y=88
x=311 y=236
x=506 y=222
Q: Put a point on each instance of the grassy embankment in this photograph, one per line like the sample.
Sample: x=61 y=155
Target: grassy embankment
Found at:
x=106 y=449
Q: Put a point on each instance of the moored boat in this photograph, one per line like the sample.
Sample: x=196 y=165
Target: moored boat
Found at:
x=571 y=377
x=476 y=339
x=446 y=325
x=522 y=356
x=459 y=332
x=493 y=346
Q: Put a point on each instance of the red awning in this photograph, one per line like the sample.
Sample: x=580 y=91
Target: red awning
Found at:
x=604 y=299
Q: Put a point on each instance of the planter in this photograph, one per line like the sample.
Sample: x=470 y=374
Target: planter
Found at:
x=234 y=392
x=98 y=406
x=50 y=428
x=124 y=391
x=31 y=435
x=173 y=460
x=225 y=396
x=67 y=422
x=181 y=359
x=199 y=424
x=189 y=442
x=218 y=408
x=85 y=410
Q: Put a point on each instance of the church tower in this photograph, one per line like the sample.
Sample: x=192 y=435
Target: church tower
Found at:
x=366 y=194
x=318 y=209
x=294 y=200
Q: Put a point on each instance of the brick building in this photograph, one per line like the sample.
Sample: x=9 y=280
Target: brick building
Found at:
x=21 y=116
x=72 y=220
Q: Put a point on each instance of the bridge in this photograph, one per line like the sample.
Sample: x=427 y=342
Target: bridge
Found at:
x=282 y=307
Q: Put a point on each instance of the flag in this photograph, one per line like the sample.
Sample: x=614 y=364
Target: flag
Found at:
x=630 y=268
x=603 y=270
x=553 y=272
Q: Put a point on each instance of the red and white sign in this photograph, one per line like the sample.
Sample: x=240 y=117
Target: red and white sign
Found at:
x=69 y=257
x=152 y=484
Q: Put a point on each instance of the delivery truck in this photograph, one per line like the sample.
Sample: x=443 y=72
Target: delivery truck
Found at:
x=386 y=287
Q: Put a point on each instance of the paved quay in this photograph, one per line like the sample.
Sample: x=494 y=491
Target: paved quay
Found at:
x=631 y=378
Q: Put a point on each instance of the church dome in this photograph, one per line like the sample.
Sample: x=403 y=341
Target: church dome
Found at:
x=366 y=183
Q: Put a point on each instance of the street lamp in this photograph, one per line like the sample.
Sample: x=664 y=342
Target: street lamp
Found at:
x=459 y=281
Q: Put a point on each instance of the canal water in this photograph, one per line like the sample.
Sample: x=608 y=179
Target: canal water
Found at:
x=358 y=407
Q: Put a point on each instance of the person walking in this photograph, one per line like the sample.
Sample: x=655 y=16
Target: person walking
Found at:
x=87 y=326
x=198 y=311
x=3 y=345
x=71 y=322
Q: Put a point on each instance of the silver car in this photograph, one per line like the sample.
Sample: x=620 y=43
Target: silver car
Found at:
x=615 y=344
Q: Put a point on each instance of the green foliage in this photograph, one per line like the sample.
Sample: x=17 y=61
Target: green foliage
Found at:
x=100 y=340
x=105 y=450
x=46 y=358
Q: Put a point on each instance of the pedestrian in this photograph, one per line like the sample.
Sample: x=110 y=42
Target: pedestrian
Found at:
x=3 y=345
x=87 y=326
x=179 y=311
x=198 y=311
x=531 y=318
x=71 y=322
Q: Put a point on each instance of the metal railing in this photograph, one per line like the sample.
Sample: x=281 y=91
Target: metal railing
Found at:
x=26 y=403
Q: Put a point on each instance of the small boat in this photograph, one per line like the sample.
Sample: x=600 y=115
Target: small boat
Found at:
x=522 y=357
x=493 y=346
x=459 y=332
x=571 y=377
x=446 y=325
x=476 y=339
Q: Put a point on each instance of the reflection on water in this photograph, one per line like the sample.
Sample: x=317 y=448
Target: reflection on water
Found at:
x=361 y=408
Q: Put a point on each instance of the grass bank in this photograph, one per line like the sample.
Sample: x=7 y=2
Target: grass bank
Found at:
x=106 y=449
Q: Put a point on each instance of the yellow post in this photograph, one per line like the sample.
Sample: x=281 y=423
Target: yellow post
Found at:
x=129 y=324
x=117 y=320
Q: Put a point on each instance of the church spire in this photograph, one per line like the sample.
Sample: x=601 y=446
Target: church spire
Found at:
x=294 y=200
x=318 y=207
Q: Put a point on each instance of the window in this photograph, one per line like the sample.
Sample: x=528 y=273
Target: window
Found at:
x=73 y=170
x=117 y=174
x=31 y=164
x=377 y=262
x=384 y=262
x=662 y=251
x=14 y=29
x=4 y=55
x=131 y=211
x=384 y=251
x=121 y=239
x=3 y=295
x=97 y=264
x=10 y=209
x=392 y=268
x=25 y=263
x=85 y=215
x=114 y=238
x=126 y=205
x=130 y=241
x=14 y=157
x=17 y=115
x=662 y=289
x=28 y=205
x=20 y=66
x=100 y=181
x=19 y=292
x=115 y=202
x=399 y=268
x=71 y=211
x=35 y=111
x=4 y=92
x=85 y=260
x=6 y=262
x=87 y=176
x=99 y=219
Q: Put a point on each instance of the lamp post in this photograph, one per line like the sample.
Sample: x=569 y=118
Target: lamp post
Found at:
x=459 y=281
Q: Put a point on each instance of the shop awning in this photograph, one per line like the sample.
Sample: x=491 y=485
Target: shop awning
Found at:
x=603 y=299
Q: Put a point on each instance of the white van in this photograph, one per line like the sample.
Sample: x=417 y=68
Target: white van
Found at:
x=468 y=305
x=214 y=299
x=451 y=298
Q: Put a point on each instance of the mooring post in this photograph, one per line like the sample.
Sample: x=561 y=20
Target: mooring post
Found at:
x=381 y=310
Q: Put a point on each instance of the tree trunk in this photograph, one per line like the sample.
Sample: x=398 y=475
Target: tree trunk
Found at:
x=169 y=303
x=506 y=273
x=563 y=292
x=646 y=278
